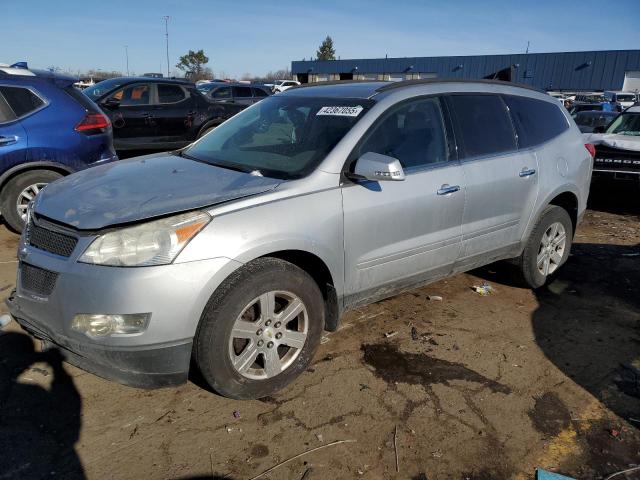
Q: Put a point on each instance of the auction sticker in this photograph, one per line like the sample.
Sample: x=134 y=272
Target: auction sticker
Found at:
x=341 y=111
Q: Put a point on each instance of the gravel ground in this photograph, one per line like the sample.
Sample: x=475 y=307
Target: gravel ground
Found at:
x=470 y=387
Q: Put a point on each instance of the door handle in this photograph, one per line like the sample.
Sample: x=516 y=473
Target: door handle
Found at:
x=8 y=140
x=527 y=172
x=446 y=189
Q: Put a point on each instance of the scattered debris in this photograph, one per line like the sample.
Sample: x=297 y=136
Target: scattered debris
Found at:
x=324 y=339
x=623 y=472
x=437 y=454
x=319 y=437
x=135 y=430
x=390 y=334
x=435 y=298
x=236 y=414
x=484 y=289
x=395 y=448
x=164 y=415
x=337 y=442
x=306 y=474
x=414 y=334
x=364 y=386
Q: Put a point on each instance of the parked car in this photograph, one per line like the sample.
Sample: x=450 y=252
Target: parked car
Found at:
x=589 y=120
x=617 y=147
x=238 y=250
x=590 y=97
x=240 y=94
x=625 y=99
x=48 y=129
x=156 y=113
x=282 y=85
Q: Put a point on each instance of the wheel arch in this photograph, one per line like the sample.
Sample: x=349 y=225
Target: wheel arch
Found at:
x=16 y=170
x=321 y=274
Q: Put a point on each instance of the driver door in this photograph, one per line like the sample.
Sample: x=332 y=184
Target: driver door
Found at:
x=134 y=125
x=399 y=234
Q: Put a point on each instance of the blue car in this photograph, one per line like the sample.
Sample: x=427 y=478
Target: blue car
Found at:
x=48 y=129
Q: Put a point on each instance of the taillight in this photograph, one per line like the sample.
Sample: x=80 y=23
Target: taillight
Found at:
x=93 y=121
x=591 y=149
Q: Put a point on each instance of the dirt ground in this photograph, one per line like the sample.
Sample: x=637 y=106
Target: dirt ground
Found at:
x=470 y=387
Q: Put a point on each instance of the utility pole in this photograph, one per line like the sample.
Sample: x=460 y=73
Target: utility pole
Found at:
x=527 y=48
x=166 y=34
x=126 y=53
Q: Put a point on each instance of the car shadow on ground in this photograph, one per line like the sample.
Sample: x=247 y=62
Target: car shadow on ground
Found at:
x=39 y=426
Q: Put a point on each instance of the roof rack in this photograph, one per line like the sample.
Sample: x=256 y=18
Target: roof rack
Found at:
x=428 y=81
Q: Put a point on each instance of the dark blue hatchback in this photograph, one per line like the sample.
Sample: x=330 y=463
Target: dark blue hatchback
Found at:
x=48 y=129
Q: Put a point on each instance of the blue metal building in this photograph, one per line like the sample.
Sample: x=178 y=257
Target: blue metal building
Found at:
x=567 y=71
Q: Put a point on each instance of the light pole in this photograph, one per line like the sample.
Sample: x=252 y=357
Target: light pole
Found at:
x=166 y=34
x=126 y=54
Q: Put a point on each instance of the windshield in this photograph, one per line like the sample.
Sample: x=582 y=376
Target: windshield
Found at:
x=282 y=136
x=100 y=88
x=626 y=124
x=205 y=87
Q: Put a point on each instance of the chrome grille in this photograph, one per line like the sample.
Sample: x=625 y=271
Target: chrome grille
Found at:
x=49 y=240
x=37 y=280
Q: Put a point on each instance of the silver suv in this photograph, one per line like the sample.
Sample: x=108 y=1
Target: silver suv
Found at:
x=238 y=250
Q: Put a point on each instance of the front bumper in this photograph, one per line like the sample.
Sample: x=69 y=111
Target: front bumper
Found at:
x=141 y=367
x=175 y=295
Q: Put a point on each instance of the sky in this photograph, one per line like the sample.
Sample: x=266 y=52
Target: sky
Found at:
x=247 y=36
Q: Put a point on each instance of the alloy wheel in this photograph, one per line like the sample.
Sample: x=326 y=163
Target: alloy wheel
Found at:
x=268 y=335
x=25 y=197
x=551 y=250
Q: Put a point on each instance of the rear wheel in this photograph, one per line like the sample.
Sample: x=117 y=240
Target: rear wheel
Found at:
x=547 y=248
x=260 y=329
x=21 y=190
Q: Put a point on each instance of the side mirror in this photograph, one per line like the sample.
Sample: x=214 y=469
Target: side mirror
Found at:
x=111 y=103
x=599 y=129
x=377 y=167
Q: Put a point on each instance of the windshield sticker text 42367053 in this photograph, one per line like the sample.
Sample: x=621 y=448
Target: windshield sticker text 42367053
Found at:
x=341 y=111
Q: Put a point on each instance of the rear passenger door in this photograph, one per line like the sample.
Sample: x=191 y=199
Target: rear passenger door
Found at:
x=401 y=233
x=242 y=96
x=174 y=112
x=501 y=181
x=15 y=102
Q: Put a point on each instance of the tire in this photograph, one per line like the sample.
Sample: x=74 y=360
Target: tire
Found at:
x=215 y=351
x=529 y=261
x=13 y=192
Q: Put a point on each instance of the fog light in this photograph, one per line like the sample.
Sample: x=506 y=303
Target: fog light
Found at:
x=97 y=325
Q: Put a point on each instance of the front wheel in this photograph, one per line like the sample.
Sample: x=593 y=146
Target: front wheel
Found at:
x=260 y=329
x=547 y=248
x=21 y=190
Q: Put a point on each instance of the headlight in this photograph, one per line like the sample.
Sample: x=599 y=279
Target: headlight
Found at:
x=154 y=243
x=97 y=325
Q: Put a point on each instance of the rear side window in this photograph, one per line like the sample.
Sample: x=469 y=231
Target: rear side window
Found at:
x=242 y=92
x=6 y=114
x=21 y=100
x=536 y=121
x=483 y=125
x=170 y=93
x=258 y=92
x=80 y=97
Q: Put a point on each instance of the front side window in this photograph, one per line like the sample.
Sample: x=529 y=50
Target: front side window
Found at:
x=137 y=94
x=280 y=136
x=170 y=93
x=222 y=92
x=626 y=97
x=626 y=124
x=6 y=113
x=258 y=92
x=483 y=125
x=412 y=132
x=21 y=100
x=537 y=121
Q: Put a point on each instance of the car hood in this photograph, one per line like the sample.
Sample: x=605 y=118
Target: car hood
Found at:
x=623 y=142
x=141 y=188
